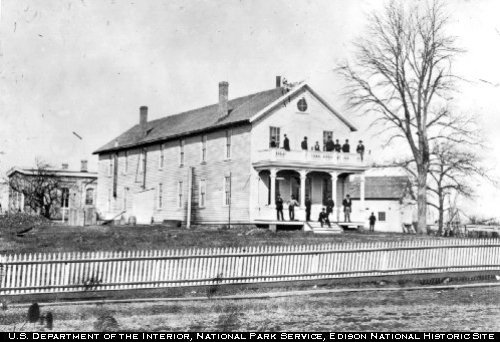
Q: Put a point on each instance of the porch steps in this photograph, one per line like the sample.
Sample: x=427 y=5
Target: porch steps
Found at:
x=316 y=228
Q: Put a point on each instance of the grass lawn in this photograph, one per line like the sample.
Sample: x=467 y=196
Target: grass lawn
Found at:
x=59 y=238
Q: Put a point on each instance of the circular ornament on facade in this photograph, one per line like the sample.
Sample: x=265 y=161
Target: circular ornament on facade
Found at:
x=302 y=105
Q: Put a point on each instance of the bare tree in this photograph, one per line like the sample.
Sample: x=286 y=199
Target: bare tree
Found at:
x=402 y=76
x=40 y=187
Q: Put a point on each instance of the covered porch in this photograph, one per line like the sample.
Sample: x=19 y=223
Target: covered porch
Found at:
x=317 y=184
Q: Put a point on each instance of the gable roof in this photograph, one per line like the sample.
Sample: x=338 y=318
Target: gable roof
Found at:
x=242 y=110
x=52 y=172
x=387 y=187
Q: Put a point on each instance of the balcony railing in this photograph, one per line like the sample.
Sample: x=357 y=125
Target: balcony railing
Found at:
x=311 y=157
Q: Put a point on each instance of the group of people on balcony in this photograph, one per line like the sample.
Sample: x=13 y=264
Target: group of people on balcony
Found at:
x=328 y=146
x=324 y=215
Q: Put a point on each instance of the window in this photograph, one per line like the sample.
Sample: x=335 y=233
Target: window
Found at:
x=181 y=152
x=203 y=193
x=228 y=144
x=227 y=190
x=160 y=195
x=274 y=133
x=179 y=195
x=204 y=148
x=125 y=168
x=162 y=156
x=89 y=196
x=302 y=105
x=110 y=166
x=64 y=197
x=381 y=216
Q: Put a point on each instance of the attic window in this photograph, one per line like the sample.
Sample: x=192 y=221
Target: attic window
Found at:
x=149 y=130
x=302 y=105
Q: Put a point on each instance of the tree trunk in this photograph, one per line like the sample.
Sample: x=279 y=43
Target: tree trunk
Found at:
x=422 y=203
x=441 y=214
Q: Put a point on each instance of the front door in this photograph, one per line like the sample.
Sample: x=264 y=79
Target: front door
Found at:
x=327 y=189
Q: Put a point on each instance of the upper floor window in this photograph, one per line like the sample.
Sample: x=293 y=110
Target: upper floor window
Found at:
x=162 y=157
x=228 y=144
x=203 y=148
x=274 y=137
x=203 y=193
x=125 y=166
x=181 y=152
x=89 y=196
x=302 y=105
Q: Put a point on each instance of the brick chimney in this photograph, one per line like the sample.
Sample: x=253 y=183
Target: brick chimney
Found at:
x=143 y=118
x=223 y=96
x=83 y=167
x=278 y=81
x=64 y=166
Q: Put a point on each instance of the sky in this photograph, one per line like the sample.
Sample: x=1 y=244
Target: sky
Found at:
x=87 y=66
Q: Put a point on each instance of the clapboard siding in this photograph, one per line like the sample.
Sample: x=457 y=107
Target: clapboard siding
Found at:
x=213 y=171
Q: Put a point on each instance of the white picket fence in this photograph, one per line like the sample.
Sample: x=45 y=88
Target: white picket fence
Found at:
x=97 y=271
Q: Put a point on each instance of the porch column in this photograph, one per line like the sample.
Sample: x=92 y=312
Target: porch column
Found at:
x=303 y=177
x=272 y=176
x=334 y=176
x=362 y=192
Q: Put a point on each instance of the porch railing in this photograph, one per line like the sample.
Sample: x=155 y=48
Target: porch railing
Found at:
x=315 y=157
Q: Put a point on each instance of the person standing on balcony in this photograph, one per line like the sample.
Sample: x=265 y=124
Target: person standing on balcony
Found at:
x=347 y=203
x=372 y=220
x=346 y=147
x=316 y=147
x=291 y=208
x=330 y=145
x=361 y=149
x=303 y=144
x=337 y=146
x=286 y=143
x=308 y=208
x=279 y=208
x=273 y=143
x=330 y=204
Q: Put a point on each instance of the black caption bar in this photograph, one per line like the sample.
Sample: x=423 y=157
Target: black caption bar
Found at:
x=250 y=336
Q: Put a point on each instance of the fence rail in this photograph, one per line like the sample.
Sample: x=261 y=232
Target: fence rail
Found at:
x=96 y=271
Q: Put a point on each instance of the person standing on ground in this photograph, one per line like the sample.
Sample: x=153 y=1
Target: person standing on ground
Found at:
x=323 y=218
x=372 y=220
x=346 y=147
x=303 y=144
x=291 y=208
x=279 y=208
x=308 y=209
x=286 y=143
x=347 y=203
x=361 y=149
x=330 y=204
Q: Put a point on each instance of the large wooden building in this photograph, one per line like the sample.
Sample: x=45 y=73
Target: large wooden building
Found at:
x=216 y=163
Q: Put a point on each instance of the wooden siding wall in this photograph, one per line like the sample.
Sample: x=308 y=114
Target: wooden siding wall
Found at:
x=213 y=171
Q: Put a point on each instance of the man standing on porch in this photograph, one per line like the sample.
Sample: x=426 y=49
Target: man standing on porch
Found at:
x=279 y=208
x=291 y=208
x=330 y=204
x=347 y=203
x=303 y=144
x=286 y=143
x=308 y=208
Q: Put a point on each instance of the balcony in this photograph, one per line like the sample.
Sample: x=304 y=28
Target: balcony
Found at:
x=280 y=157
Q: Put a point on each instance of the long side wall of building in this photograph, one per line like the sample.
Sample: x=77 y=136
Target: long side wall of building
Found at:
x=129 y=197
